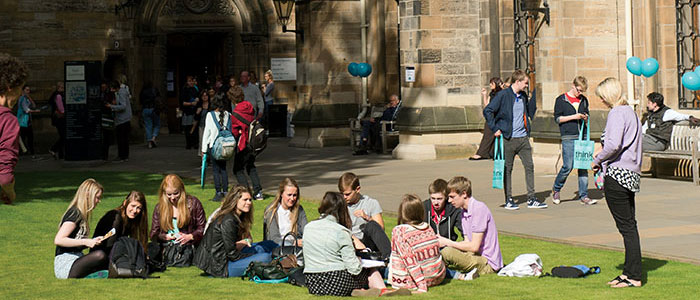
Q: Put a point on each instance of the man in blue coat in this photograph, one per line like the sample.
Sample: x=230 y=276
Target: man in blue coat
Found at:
x=509 y=115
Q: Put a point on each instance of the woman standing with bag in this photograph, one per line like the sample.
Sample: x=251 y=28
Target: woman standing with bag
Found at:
x=178 y=220
x=621 y=162
x=219 y=116
x=24 y=116
x=284 y=214
x=571 y=113
x=486 y=145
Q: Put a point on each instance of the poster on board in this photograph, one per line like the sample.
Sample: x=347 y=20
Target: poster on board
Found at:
x=76 y=72
x=76 y=92
x=284 y=68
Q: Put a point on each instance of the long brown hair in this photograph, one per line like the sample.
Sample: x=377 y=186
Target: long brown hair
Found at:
x=84 y=201
x=138 y=228
x=334 y=205
x=165 y=208
x=294 y=210
x=411 y=210
x=228 y=206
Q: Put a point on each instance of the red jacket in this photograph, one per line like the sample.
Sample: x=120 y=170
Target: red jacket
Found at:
x=238 y=128
x=9 y=143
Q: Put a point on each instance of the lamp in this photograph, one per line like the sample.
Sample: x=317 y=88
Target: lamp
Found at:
x=127 y=8
x=284 y=10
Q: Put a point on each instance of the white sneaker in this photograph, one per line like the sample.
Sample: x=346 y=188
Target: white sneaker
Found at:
x=471 y=275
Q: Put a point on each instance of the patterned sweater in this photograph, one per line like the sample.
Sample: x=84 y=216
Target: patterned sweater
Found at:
x=415 y=261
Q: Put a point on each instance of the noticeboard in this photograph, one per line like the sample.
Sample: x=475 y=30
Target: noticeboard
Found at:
x=83 y=110
x=284 y=68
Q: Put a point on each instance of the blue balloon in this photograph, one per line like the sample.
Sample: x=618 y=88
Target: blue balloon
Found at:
x=364 y=69
x=634 y=65
x=696 y=69
x=691 y=81
x=352 y=68
x=649 y=67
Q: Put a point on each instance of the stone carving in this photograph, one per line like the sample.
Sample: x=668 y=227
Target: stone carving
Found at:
x=174 y=8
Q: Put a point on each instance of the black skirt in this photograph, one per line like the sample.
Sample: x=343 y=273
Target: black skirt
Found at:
x=336 y=283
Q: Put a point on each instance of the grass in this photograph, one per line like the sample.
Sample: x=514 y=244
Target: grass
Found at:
x=26 y=256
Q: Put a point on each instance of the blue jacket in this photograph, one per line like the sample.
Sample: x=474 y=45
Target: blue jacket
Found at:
x=499 y=112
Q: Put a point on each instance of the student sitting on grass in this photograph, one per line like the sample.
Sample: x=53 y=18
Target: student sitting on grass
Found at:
x=439 y=214
x=129 y=219
x=226 y=250
x=330 y=264
x=176 y=207
x=73 y=232
x=480 y=252
x=366 y=216
x=415 y=261
x=285 y=214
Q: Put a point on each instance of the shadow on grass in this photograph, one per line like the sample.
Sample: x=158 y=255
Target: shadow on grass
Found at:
x=62 y=185
x=648 y=264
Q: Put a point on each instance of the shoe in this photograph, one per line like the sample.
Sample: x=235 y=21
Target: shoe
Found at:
x=588 y=201
x=694 y=121
x=155 y=145
x=150 y=145
x=360 y=152
x=534 y=203
x=259 y=196
x=471 y=275
x=476 y=158
x=511 y=205
x=217 y=197
x=54 y=154
x=556 y=198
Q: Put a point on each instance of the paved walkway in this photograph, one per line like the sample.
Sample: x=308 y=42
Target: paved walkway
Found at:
x=668 y=211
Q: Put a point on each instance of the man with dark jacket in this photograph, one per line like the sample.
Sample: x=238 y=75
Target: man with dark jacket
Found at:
x=657 y=123
x=442 y=216
x=509 y=115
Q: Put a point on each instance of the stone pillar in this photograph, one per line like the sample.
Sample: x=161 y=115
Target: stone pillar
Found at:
x=441 y=112
x=327 y=95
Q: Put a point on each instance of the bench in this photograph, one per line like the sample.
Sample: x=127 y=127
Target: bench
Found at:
x=384 y=134
x=684 y=144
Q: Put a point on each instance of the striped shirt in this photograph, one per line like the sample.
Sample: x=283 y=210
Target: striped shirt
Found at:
x=415 y=261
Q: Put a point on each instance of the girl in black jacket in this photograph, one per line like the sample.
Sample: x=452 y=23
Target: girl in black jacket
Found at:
x=129 y=219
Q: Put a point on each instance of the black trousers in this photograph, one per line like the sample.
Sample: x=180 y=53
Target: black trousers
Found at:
x=621 y=204
x=486 y=145
x=59 y=146
x=191 y=137
x=27 y=135
x=107 y=140
x=123 y=140
x=375 y=238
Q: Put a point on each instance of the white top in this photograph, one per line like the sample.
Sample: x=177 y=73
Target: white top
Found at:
x=669 y=115
x=210 y=131
x=283 y=221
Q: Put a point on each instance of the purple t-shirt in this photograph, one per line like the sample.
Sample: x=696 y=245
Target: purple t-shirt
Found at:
x=478 y=219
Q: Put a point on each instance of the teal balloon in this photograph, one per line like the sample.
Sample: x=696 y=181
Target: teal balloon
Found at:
x=691 y=81
x=696 y=69
x=352 y=68
x=649 y=67
x=634 y=65
x=364 y=69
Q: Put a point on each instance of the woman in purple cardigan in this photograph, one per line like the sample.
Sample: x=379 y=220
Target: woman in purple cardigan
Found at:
x=621 y=161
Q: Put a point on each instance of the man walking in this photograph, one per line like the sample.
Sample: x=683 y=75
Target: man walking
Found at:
x=252 y=94
x=509 y=115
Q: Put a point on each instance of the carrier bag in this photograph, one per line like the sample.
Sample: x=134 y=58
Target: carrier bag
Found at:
x=499 y=163
x=583 y=149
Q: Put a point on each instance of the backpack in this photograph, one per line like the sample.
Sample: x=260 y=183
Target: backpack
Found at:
x=224 y=146
x=522 y=266
x=576 y=271
x=127 y=260
x=257 y=139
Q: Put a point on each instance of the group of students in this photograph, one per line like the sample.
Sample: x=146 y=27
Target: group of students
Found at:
x=422 y=251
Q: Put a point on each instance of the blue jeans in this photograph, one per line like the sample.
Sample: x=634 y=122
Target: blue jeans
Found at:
x=220 y=175
x=261 y=253
x=151 y=121
x=567 y=155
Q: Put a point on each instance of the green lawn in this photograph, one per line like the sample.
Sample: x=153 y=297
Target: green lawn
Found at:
x=26 y=256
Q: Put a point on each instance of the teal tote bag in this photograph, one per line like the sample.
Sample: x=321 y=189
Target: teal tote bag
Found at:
x=498 y=163
x=583 y=149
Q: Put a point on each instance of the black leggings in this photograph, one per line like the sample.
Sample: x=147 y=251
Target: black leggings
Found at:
x=88 y=264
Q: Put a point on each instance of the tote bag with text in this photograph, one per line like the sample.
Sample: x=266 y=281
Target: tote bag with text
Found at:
x=583 y=149
x=498 y=163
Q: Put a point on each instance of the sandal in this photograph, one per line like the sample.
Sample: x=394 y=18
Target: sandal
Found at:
x=626 y=283
x=615 y=280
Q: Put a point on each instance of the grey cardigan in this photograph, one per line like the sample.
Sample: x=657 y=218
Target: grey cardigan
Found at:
x=122 y=110
x=328 y=247
x=271 y=229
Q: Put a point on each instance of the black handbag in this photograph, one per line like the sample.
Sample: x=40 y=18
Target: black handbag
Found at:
x=265 y=271
x=297 y=277
x=295 y=250
x=178 y=255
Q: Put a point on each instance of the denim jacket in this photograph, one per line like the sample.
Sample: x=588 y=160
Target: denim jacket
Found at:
x=328 y=247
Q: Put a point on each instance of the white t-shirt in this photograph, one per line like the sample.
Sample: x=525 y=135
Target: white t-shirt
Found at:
x=283 y=221
x=371 y=208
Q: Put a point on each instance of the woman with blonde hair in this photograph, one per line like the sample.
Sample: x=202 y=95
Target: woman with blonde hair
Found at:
x=621 y=160
x=226 y=250
x=178 y=218
x=268 y=94
x=129 y=219
x=73 y=232
x=284 y=214
x=415 y=261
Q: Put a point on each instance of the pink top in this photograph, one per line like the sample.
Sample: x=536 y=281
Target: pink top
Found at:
x=59 y=103
x=415 y=261
x=9 y=144
x=477 y=218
